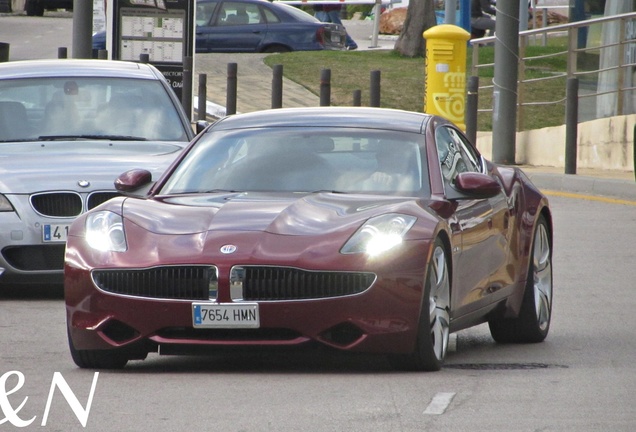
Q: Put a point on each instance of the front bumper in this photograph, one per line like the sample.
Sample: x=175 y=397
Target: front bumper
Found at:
x=381 y=319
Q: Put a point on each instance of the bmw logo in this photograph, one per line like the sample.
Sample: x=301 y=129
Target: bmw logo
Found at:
x=83 y=183
x=228 y=249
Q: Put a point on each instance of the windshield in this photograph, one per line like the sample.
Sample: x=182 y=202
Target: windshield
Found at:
x=344 y=160
x=87 y=108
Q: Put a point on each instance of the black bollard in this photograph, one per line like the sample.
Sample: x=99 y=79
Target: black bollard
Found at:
x=232 y=77
x=325 y=87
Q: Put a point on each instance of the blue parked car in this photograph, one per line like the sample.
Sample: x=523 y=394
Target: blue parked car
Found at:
x=234 y=26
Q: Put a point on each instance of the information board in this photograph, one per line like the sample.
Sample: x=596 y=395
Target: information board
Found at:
x=161 y=29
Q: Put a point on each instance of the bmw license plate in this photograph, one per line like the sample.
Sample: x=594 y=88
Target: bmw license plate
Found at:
x=225 y=315
x=54 y=233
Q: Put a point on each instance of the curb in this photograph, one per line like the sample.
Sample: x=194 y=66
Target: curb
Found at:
x=575 y=183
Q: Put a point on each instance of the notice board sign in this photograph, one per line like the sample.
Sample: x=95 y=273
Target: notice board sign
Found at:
x=161 y=29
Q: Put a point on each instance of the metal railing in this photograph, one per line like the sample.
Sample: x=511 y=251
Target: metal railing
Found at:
x=600 y=53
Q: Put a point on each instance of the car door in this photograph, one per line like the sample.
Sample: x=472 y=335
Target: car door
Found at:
x=503 y=275
x=475 y=249
x=234 y=27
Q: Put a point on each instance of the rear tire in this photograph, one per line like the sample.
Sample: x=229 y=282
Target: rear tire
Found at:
x=33 y=8
x=533 y=323
x=434 y=326
x=276 y=49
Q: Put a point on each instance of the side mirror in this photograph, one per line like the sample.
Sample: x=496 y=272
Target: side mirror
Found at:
x=133 y=180
x=478 y=184
x=200 y=125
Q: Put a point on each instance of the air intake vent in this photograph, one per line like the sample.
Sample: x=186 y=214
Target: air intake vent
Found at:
x=284 y=283
x=179 y=282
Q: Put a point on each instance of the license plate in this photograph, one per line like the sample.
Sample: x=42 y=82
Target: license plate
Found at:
x=335 y=38
x=225 y=315
x=55 y=233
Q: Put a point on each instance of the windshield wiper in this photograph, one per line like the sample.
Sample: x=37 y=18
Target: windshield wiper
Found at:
x=328 y=191
x=89 y=136
x=221 y=191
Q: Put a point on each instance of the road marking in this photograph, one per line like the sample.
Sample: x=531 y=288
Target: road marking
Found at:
x=440 y=402
x=589 y=197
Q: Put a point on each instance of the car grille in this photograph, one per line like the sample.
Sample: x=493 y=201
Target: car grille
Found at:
x=286 y=283
x=57 y=204
x=178 y=282
x=249 y=283
x=97 y=198
x=35 y=258
x=67 y=204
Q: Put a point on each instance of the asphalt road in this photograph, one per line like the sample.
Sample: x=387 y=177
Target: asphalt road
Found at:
x=582 y=378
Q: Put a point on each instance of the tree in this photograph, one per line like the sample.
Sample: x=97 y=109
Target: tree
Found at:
x=420 y=16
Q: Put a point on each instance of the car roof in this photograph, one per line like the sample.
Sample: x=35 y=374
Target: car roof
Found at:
x=355 y=117
x=76 y=68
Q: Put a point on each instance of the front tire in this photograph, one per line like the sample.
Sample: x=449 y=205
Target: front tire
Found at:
x=434 y=327
x=97 y=359
x=533 y=323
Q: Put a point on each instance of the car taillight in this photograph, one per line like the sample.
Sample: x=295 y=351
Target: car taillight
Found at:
x=320 y=35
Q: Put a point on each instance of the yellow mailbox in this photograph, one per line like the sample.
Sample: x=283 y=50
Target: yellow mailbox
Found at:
x=445 y=72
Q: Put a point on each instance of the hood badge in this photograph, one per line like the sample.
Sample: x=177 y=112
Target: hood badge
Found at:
x=228 y=249
x=83 y=183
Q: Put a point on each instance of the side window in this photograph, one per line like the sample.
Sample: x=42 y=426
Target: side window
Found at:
x=469 y=155
x=234 y=13
x=455 y=155
x=204 y=13
x=270 y=16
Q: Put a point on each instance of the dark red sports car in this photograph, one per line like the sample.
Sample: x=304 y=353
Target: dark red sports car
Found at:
x=362 y=229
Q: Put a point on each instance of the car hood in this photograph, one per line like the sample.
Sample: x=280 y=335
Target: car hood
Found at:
x=60 y=165
x=285 y=214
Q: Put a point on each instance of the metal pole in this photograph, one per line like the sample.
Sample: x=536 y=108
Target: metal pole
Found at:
x=325 y=87
x=375 y=89
x=472 y=104
x=277 y=86
x=505 y=82
x=377 y=10
x=82 y=29
x=186 y=91
x=450 y=11
x=523 y=15
x=203 y=97
x=230 y=104
x=571 y=124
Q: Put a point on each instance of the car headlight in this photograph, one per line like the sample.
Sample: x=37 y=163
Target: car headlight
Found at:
x=105 y=232
x=5 y=205
x=379 y=234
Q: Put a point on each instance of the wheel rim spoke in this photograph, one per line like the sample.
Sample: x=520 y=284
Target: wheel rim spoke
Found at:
x=439 y=302
x=542 y=276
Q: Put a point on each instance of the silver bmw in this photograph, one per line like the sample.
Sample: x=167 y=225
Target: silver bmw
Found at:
x=68 y=128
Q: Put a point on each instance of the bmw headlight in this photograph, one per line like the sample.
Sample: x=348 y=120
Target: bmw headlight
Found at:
x=379 y=234
x=105 y=232
x=5 y=205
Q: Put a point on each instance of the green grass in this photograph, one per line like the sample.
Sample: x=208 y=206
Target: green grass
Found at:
x=402 y=80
